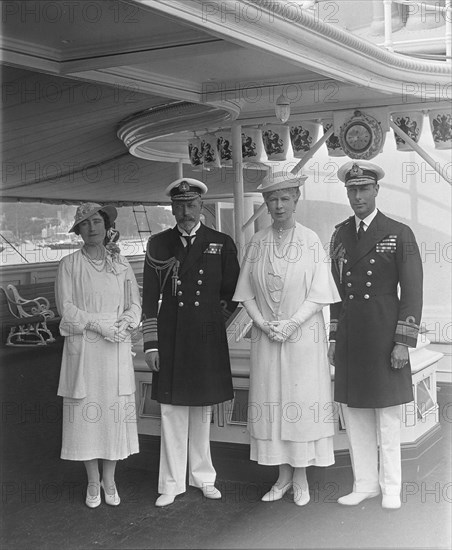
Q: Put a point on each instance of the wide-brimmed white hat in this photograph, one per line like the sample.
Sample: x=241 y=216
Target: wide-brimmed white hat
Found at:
x=360 y=172
x=280 y=180
x=87 y=209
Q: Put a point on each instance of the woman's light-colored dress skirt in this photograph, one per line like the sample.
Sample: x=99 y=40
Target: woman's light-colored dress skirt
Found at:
x=102 y=425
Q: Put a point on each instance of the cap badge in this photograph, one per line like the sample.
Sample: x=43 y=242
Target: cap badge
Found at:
x=183 y=187
x=356 y=171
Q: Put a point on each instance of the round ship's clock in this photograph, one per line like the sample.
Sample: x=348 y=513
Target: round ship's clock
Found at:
x=361 y=137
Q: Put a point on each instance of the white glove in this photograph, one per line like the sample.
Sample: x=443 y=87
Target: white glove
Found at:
x=306 y=311
x=108 y=329
x=286 y=329
x=126 y=321
x=256 y=316
x=280 y=331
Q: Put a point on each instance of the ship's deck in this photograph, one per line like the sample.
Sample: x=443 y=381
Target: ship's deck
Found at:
x=43 y=496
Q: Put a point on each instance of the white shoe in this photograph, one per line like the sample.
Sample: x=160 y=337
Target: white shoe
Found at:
x=165 y=500
x=112 y=500
x=210 y=491
x=391 y=502
x=301 y=496
x=276 y=493
x=352 y=499
x=93 y=501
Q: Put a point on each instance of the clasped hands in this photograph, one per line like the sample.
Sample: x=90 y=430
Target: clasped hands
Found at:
x=114 y=331
x=279 y=331
x=122 y=330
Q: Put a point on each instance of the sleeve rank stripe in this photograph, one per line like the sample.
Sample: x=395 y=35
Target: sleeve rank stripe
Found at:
x=404 y=329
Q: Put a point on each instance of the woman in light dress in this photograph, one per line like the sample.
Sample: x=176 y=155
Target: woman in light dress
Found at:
x=99 y=302
x=284 y=283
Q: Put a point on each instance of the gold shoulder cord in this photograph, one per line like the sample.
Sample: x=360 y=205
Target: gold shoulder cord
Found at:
x=164 y=267
x=337 y=254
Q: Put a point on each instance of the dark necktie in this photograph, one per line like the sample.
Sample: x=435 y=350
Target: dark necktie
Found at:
x=188 y=240
x=361 y=231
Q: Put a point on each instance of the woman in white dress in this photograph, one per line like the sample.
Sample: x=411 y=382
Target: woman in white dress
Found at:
x=99 y=302
x=284 y=283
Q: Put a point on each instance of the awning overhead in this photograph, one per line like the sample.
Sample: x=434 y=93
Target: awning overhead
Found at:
x=69 y=83
x=60 y=145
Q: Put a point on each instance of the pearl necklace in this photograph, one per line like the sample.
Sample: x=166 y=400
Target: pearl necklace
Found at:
x=99 y=265
x=281 y=234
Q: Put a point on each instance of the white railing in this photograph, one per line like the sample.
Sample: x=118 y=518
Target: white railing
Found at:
x=445 y=11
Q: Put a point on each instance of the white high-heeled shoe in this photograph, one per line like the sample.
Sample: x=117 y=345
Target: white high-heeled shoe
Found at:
x=93 y=501
x=301 y=495
x=112 y=500
x=276 y=493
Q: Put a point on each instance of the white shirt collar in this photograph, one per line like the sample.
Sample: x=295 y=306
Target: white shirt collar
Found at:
x=193 y=231
x=367 y=220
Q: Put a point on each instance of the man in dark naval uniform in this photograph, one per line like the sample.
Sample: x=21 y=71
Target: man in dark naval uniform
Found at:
x=378 y=271
x=193 y=270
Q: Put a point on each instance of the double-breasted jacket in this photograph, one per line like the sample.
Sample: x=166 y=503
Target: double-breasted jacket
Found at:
x=379 y=278
x=188 y=329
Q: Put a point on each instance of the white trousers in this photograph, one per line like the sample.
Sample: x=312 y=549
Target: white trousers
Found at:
x=368 y=430
x=185 y=428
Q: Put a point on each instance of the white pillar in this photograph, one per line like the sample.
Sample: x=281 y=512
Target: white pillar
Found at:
x=448 y=18
x=236 y=137
x=388 y=24
x=378 y=17
x=180 y=169
x=254 y=208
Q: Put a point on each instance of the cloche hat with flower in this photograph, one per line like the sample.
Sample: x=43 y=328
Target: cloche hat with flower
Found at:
x=87 y=209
